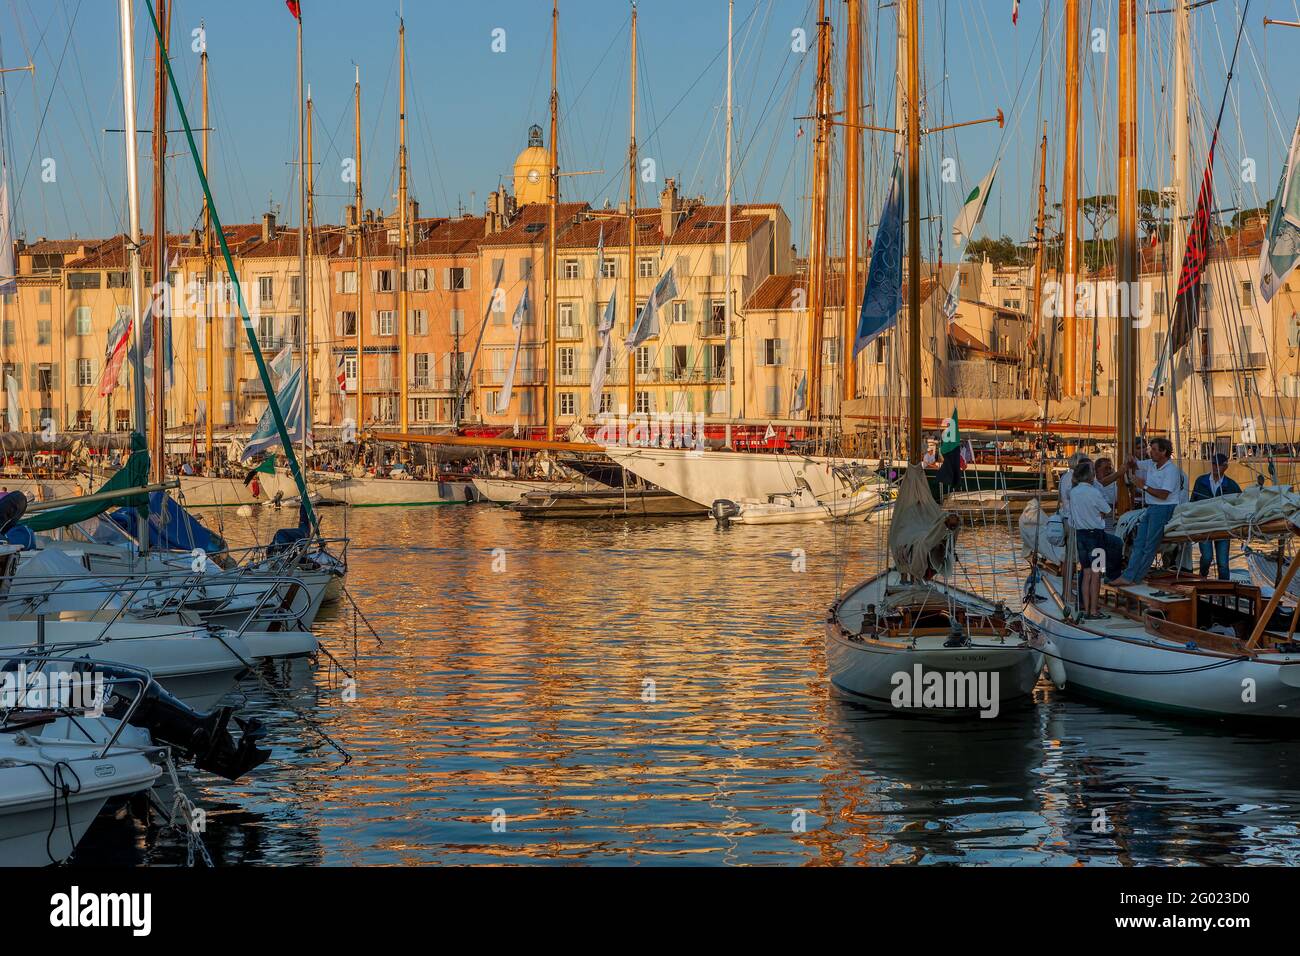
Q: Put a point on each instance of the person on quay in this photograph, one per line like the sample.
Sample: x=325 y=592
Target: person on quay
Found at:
x=1161 y=482
x=1215 y=484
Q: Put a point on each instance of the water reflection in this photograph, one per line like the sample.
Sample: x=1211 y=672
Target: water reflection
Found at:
x=651 y=694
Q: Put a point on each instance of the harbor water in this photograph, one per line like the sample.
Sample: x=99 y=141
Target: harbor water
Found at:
x=618 y=693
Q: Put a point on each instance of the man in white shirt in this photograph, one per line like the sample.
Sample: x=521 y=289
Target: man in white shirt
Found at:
x=1099 y=553
x=1162 y=483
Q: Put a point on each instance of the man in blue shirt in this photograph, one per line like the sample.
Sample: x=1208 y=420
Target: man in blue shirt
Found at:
x=1216 y=484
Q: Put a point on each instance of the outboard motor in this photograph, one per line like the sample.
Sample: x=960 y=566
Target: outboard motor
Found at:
x=204 y=738
x=723 y=510
x=287 y=536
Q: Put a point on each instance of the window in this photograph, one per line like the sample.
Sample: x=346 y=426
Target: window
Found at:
x=350 y=371
x=350 y=324
x=457 y=279
x=525 y=268
x=83 y=280
x=773 y=405
x=568 y=403
x=717 y=319
x=44 y=379
x=266 y=331
x=830 y=351
x=43 y=297
x=609 y=268
x=386 y=322
x=85 y=420
x=349 y=283
x=566 y=320
x=290 y=326
x=228 y=377
x=85 y=372
x=44 y=335
x=718 y=361
x=421 y=378
x=424 y=408
x=83 y=320
x=572 y=269
x=118 y=280
x=385 y=408
x=122 y=420
x=265 y=290
x=719 y=264
x=1247 y=294
x=645 y=268
x=1158 y=302
x=1207 y=296
x=643 y=360
x=384 y=280
x=8 y=333
x=565 y=363
x=772 y=352
x=681 y=361
x=295 y=290
x=644 y=403
x=681 y=314
x=606 y=402
x=418 y=322
x=420 y=281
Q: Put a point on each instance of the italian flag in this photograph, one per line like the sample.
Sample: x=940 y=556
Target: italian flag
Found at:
x=973 y=209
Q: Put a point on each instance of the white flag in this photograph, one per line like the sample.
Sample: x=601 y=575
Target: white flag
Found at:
x=973 y=210
x=1281 y=250
x=13 y=410
x=282 y=365
x=647 y=323
x=602 y=354
x=508 y=386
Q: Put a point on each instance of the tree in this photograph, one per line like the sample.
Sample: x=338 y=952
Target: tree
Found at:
x=1151 y=206
x=1000 y=252
x=1098 y=210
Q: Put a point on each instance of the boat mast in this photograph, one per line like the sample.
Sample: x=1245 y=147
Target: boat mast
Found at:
x=1182 y=146
x=127 y=18
x=207 y=268
x=305 y=299
x=361 y=325
x=914 y=234
x=403 y=417
x=1070 y=200
x=821 y=183
x=157 y=427
x=726 y=229
x=1126 y=248
x=1036 y=354
x=631 y=220
x=852 y=164
x=552 y=250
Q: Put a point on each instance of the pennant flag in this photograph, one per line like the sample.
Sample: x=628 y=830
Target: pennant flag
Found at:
x=647 y=323
x=341 y=376
x=7 y=270
x=267 y=467
x=14 y=411
x=119 y=342
x=950 y=440
x=266 y=436
x=973 y=209
x=769 y=434
x=1187 y=305
x=1281 y=251
x=601 y=367
x=883 y=297
x=800 y=395
x=295 y=7
x=950 y=300
x=508 y=386
x=1015 y=11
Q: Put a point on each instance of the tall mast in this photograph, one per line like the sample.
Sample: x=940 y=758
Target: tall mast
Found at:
x=302 y=230
x=914 y=235
x=726 y=229
x=552 y=252
x=1182 y=145
x=207 y=271
x=852 y=164
x=1070 y=200
x=403 y=417
x=1126 y=247
x=360 y=319
x=1040 y=239
x=157 y=427
x=631 y=219
x=127 y=19
x=821 y=183
x=308 y=352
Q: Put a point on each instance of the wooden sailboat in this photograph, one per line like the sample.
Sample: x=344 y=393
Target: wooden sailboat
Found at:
x=907 y=638
x=1172 y=643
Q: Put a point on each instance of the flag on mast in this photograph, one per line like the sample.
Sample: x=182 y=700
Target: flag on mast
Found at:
x=1187 y=305
x=1015 y=11
x=119 y=340
x=647 y=323
x=883 y=297
x=508 y=386
x=973 y=209
x=602 y=354
x=1281 y=251
x=295 y=7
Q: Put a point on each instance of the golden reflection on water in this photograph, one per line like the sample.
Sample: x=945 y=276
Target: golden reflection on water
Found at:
x=656 y=694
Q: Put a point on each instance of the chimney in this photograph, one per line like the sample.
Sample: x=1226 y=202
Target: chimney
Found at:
x=350 y=214
x=668 y=208
x=415 y=210
x=268 y=226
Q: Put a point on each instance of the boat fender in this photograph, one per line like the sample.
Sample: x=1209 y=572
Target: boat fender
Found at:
x=1055 y=666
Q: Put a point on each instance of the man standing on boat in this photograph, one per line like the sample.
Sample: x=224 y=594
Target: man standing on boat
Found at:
x=1161 y=483
x=1216 y=484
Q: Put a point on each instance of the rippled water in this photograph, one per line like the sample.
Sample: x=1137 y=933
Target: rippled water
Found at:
x=656 y=694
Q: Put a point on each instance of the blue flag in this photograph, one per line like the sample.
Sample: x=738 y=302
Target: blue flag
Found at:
x=267 y=436
x=883 y=297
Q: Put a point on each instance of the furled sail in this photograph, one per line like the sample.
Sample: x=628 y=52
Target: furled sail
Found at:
x=918 y=535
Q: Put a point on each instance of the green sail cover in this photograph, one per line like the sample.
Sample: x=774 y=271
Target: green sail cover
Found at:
x=134 y=474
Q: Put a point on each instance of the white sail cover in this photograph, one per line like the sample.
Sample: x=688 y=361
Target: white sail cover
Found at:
x=918 y=536
x=1241 y=514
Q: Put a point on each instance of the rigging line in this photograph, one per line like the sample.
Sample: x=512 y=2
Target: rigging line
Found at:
x=18 y=194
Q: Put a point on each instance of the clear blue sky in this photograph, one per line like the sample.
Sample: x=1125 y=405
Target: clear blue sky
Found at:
x=469 y=107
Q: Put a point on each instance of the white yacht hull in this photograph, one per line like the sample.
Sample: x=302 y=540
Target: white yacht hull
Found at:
x=784 y=513
x=506 y=491
x=706 y=476
x=205 y=492
x=367 y=492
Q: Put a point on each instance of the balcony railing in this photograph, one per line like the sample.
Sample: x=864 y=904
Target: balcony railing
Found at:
x=1234 y=362
x=712 y=328
x=570 y=333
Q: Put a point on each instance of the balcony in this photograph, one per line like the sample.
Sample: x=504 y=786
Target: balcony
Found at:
x=1233 y=362
x=713 y=328
x=569 y=333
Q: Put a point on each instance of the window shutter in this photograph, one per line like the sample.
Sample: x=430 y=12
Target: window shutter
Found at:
x=780 y=351
x=468 y=280
x=338 y=325
x=374 y=323
x=374 y=280
x=446 y=370
x=338 y=281
x=446 y=280
x=760 y=352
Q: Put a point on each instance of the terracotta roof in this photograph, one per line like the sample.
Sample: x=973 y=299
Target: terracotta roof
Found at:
x=776 y=293
x=285 y=244
x=1154 y=260
x=112 y=253
x=536 y=216
x=964 y=339
x=48 y=247
x=453 y=237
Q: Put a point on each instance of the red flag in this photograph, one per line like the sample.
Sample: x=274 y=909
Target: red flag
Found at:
x=1015 y=11
x=1187 y=305
x=113 y=361
x=295 y=8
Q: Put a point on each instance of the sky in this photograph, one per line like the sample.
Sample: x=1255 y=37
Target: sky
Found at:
x=470 y=102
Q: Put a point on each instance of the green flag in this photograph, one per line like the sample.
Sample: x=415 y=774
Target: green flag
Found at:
x=950 y=440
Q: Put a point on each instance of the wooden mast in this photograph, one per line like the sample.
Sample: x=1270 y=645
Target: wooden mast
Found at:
x=207 y=274
x=631 y=221
x=552 y=239
x=913 y=234
x=403 y=416
x=726 y=229
x=1070 y=201
x=157 y=427
x=302 y=231
x=1126 y=245
x=852 y=164
x=1036 y=354
x=821 y=182
x=360 y=316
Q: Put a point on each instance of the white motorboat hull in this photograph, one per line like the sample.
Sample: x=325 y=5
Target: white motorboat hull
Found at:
x=1136 y=669
x=206 y=492
x=706 y=476
x=278 y=645
x=842 y=509
x=869 y=671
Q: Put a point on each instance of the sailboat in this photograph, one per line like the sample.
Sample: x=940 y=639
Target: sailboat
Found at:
x=908 y=637
x=1190 y=646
